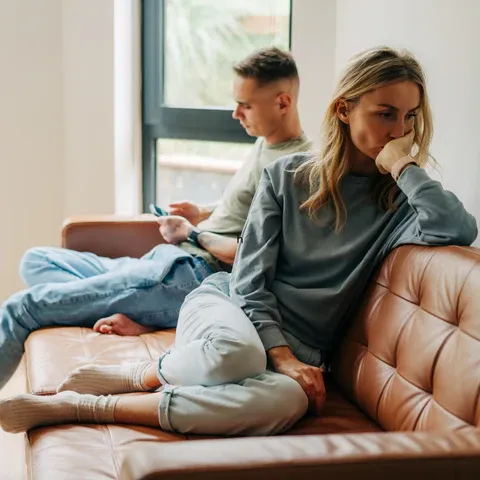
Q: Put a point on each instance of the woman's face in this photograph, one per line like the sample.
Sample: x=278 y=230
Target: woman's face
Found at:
x=380 y=116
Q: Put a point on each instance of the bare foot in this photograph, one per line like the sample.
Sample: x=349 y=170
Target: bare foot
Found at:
x=119 y=324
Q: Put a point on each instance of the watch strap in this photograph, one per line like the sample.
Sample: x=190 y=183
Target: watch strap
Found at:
x=193 y=236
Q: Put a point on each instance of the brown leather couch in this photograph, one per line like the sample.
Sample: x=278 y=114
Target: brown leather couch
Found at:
x=403 y=397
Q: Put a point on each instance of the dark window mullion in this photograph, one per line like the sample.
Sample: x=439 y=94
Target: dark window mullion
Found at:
x=206 y=133
x=219 y=121
x=152 y=60
x=149 y=167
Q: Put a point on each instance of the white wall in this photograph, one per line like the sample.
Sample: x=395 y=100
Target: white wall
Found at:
x=31 y=131
x=127 y=107
x=101 y=66
x=313 y=46
x=70 y=118
x=88 y=106
x=445 y=37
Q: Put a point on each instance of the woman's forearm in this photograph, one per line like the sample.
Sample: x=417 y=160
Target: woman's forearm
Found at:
x=441 y=217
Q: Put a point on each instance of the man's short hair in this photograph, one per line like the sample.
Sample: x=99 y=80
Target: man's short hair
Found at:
x=267 y=65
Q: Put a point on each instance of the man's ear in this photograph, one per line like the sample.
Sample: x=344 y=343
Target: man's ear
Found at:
x=284 y=101
x=343 y=111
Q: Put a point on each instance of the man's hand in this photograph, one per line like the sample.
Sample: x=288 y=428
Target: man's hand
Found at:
x=174 y=229
x=394 y=151
x=310 y=378
x=189 y=210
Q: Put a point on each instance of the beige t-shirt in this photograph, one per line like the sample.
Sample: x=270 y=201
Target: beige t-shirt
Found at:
x=231 y=213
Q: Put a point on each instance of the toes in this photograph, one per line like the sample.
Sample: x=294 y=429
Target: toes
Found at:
x=107 y=329
x=98 y=325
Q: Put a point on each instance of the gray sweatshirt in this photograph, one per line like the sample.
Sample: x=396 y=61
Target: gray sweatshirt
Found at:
x=300 y=277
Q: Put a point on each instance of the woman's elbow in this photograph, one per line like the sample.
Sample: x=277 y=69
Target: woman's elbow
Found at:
x=467 y=230
x=452 y=232
x=464 y=233
x=471 y=232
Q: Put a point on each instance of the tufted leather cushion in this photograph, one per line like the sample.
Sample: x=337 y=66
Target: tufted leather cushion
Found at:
x=411 y=359
x=96 y=452
x=54 y=352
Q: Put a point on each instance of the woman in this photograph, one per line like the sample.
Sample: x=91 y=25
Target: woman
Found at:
x=317 y=228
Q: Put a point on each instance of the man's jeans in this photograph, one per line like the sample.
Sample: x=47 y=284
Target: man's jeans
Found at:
x=70 y=288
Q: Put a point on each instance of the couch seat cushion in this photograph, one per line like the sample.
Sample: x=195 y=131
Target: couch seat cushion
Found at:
x=52 y=353
x=96 y=451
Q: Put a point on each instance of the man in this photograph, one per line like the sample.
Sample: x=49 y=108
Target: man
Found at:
x=133 y=296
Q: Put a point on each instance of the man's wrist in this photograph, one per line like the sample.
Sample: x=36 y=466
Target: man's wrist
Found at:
x=193 y=234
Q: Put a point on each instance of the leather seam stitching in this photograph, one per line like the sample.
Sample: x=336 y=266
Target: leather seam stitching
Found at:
x=146 y=346
x=417 y=420
x=461 y=289
x=422 y=279
x=112 y=450
x=86 y=350
x=382 y=394
x=437 y=355
x=400 y=333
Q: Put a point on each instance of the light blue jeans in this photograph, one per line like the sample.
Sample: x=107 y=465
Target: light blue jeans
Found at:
x=216 y=379
x=68 y=288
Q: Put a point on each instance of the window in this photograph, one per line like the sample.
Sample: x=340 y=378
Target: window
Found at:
x=191 y=144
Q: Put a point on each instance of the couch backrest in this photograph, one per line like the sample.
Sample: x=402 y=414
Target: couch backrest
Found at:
x=411 y=359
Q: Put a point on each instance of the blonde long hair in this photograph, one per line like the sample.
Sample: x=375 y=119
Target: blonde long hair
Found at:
x=364 y=73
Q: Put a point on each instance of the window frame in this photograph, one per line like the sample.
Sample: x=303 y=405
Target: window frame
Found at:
x=167 y=122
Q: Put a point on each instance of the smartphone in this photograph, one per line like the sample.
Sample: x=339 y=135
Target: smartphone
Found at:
x=157 y=211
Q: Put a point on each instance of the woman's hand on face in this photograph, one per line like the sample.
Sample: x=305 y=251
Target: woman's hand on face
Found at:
x=310 y=379
x=394 y=151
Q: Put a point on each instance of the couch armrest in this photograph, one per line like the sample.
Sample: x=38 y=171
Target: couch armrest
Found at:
x=392 y=456
x=111 y=235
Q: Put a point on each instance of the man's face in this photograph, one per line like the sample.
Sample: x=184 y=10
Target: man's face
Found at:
x=258 y=107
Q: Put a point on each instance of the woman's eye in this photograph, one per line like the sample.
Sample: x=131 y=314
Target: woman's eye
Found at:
x=387 y=115
x=411 y=115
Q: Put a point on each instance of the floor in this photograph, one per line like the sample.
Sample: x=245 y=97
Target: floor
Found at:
x=12 y=447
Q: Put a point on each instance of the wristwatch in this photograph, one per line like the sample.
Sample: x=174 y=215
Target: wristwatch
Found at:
x=193 y=236
x=400 y=165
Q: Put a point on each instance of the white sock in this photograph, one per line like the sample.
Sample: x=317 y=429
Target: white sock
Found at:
x=103 y=380
x=24 y=412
